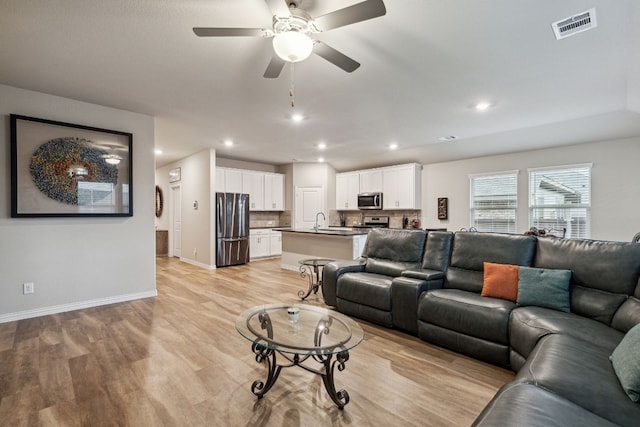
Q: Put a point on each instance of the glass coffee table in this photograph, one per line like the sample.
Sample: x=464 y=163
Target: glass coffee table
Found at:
x=313 y=338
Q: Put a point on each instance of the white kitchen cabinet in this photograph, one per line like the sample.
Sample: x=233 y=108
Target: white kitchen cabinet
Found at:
x=402 y=187
x=259 y=243
x=275 y=243
x=273 y=192
x=371 y=181
x=347 y=189
x=228 y=180
x=253 y=185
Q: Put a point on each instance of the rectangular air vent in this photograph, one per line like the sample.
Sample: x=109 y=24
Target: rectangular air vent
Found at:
x=575 y=24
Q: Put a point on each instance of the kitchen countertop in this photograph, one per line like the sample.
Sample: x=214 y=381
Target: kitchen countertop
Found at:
x=327 y=231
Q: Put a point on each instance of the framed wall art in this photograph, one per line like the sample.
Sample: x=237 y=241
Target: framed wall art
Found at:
x=175 y=175
x=443 y=207
x=66 y=170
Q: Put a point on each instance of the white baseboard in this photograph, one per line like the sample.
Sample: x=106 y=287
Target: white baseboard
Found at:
x=198 y=264
x=27 y=314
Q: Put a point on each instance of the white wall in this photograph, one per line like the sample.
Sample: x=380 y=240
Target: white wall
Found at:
x=241 y=164
x=76 y=262
x=615 y=210
x=197 y=184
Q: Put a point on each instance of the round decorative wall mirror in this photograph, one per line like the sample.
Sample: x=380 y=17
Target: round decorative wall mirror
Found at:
x=159 y=201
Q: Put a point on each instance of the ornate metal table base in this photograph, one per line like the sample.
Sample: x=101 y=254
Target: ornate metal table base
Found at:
x=312 y=268
x=264 y=354
x=269 y=355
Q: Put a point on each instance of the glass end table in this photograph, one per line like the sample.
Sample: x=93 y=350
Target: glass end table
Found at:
x=312 y=268
x=318 y=341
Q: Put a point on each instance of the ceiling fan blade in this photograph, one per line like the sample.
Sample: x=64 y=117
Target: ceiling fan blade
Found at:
x=274 y=68
x=278 y=8
x=350 y=15
x=229 y=32
x=337 y=58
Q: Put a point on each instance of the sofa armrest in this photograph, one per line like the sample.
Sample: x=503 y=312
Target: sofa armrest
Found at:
x=330 y=274
x=423 y=274
x=405 y=292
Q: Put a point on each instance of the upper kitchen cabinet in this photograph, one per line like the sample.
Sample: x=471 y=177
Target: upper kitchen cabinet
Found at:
x=273 y=192
x=347 y=189
x=402 y=187
x=253 y=185
x=371 y=181
x=228 y=180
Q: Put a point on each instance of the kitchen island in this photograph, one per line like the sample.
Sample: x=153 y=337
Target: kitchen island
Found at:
x=332 y=243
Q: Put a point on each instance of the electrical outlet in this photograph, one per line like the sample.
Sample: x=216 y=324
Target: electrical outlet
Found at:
x=28 y=288
x=269 y=222
x=195 y=252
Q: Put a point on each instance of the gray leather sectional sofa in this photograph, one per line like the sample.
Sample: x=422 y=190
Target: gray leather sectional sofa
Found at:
x=429 y=284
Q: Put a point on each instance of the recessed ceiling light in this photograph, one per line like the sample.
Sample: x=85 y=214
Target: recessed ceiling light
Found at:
x=322 y=146
x=482 y=106
x=297 y=118
x=228 y=143
x=320 y=159
x=393 y=146
x=157 y=151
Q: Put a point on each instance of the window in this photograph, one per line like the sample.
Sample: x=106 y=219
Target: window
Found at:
x=494 y=198
x=560 y=200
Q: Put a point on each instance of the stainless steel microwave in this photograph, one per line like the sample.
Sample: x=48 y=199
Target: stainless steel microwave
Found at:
x=370 y=201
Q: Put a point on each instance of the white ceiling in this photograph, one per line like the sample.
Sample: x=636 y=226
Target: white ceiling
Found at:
x=424 y=64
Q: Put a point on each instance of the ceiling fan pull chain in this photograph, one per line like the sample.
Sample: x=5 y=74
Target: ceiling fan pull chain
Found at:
x=293 y=102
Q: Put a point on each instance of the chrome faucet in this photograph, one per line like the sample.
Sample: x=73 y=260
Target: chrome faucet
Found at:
x=315 y=227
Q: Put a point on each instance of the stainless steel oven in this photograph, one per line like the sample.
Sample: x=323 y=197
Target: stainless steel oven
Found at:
x=370 y=201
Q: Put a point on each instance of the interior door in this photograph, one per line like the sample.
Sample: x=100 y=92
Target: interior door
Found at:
x=309 y=201
x=176 y=222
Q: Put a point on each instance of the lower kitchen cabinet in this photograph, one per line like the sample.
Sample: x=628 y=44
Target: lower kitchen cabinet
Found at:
x=264 y=242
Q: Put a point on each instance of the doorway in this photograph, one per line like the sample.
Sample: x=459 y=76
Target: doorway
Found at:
x=308 y=202
x=175 y=221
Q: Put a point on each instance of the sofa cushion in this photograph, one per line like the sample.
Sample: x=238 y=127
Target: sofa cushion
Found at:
x=626 y=363
x=582 y=373
x=437 y=250
x=467 y=313
x=471 y=250
x=527 y=325
x=610 y=267
x=628 y=315
x=388 y=267
x=544 y=288
x=500 y=281
x=523 y=404
x=396 y=245
x=373 y=290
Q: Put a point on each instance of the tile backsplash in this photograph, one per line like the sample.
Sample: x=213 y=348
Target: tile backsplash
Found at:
x=353 y=217
x=269 y=219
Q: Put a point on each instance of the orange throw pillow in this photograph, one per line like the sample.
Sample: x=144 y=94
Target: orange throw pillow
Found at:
x=500 y=281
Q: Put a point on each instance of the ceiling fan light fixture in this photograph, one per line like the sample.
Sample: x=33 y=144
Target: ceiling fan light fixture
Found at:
x=292 y=46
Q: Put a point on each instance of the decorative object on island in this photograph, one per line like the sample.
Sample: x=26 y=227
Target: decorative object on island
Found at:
x=159 y=201
x=62 y=169
x=443 y=207
x=174 y=175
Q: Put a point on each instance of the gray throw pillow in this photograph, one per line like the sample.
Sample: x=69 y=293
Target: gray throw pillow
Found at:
x=544 y=288
x=626 y=363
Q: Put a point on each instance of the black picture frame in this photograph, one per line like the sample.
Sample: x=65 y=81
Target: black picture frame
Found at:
x=68 y=170
x=443 y=207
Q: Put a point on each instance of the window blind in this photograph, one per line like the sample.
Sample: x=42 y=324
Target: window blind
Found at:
x=494 y=199
x=560 y=200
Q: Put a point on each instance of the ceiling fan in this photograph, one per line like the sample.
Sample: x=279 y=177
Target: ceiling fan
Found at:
x=291 y=30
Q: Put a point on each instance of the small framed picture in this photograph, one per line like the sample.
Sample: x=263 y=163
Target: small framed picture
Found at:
x=174 y=175
x=443 y=207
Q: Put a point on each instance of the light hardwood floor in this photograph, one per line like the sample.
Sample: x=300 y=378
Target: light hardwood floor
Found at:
x=176 y=360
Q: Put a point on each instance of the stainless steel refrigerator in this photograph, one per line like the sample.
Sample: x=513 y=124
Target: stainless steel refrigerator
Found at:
x=232 y=229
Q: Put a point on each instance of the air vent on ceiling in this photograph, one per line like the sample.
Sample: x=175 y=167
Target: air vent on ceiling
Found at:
x=575 y=24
